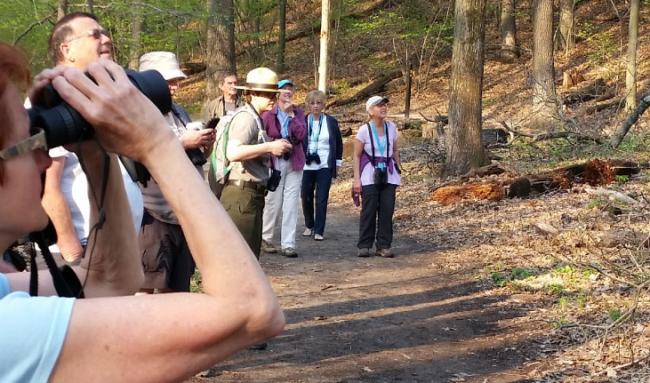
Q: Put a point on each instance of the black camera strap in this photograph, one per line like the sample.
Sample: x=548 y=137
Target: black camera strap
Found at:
x=65 y=280
x=311 y=127
x=372 y=143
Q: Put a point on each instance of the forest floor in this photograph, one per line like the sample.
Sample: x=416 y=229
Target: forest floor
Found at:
x=476 y=293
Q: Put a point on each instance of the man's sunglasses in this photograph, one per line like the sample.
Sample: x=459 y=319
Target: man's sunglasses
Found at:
x=35 y=142
x=95 y=33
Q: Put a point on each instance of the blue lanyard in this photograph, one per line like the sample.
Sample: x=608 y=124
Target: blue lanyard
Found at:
x=381 y=146
x=314 y=138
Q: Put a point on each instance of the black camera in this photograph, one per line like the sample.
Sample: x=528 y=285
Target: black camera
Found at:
x=63 y=125
x=273 y=181
x=293 y=141
x=380 y=176
x=312 y=157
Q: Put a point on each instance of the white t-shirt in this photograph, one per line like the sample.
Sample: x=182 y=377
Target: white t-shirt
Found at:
x=321 y=146
x=74 y=186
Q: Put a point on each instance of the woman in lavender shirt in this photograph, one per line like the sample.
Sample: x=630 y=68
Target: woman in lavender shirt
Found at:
x=376 y=176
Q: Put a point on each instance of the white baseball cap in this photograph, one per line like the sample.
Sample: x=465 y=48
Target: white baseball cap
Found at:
x=375 y=100
x=164 y=62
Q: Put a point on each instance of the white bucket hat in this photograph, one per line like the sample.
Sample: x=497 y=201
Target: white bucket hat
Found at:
x=164 y=62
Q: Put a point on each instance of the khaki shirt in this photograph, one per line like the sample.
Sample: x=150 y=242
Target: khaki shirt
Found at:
x=244 y=130
x=217 y=108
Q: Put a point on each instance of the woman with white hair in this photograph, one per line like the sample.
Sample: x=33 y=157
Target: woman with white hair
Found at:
x=376 y=177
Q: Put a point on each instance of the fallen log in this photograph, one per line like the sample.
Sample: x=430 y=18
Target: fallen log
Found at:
x=595 y=173
x=617 y=138
x=585 y=93
x=373 y=88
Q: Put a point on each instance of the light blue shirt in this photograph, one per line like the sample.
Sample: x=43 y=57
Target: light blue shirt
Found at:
x=32 y=331
x=284 y=119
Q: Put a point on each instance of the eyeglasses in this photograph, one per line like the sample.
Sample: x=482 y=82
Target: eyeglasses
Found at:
x=35 y=142
x=95 y=33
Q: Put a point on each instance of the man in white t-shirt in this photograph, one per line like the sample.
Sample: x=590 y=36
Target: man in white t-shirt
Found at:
x=65 y=196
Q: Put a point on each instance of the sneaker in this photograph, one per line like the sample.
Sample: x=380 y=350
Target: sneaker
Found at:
x=318 y=237
x=268 y=247
x=289 y=252
x=308 y=232
x=386 y=253
x=363 y=253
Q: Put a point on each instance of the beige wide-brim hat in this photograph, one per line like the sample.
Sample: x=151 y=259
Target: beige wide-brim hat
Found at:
x=164 y=62
x=261 y=80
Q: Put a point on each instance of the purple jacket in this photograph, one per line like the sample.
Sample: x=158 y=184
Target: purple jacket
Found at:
x=297 y=133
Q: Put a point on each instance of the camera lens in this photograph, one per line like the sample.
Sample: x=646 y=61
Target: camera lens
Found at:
x=64 y=125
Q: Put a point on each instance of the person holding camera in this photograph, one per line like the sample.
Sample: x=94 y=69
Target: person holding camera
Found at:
x=323 y=147
x=113 y=334
x=376 y=167
x=249 y=151
x=285 y=121
x=166 y=258
x=77 y=40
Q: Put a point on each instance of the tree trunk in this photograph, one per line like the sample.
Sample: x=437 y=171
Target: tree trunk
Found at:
x=136 y=38
x=464 y=149
x=545 y=104
x=324 y=42
x=217 y=46
x=229 y=11
x=407 y=95
x=632 y=44
x=508 y=31
x=567 y=23
x=282 y=34
x=62 y=9
x=91 y=6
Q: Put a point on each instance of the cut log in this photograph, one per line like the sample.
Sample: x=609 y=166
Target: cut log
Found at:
x=448 y=195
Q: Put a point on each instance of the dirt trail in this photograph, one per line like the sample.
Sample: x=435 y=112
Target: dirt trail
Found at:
x=405 y=319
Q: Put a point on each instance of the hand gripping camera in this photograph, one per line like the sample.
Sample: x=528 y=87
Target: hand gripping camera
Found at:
x=64 y=125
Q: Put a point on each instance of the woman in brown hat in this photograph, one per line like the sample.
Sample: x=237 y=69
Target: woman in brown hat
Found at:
x=249 y=151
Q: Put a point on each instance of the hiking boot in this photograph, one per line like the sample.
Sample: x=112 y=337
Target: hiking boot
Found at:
x=363 y=253
x=289 y=252
x=268 y=247
x=386 y=253
x=318 y=237
x=308 y=232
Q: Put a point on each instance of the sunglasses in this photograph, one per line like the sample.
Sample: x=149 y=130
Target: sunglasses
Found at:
x=95 y=33
x=35 y=142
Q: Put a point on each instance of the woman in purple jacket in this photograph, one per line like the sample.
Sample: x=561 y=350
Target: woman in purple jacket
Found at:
x=284 y=121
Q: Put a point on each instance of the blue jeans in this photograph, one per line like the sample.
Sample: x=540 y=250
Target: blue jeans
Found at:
x=320 y=180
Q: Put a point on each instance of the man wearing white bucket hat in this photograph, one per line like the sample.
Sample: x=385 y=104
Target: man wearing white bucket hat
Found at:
x=248 y=149
x=166 y=258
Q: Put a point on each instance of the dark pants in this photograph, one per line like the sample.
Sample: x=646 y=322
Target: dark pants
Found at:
x=378 y=204
x=320 y=180
x=245 y=207
x=166 y=258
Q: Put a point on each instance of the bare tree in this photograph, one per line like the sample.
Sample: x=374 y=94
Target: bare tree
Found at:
x=464 y=149
x=567 y=26
x=545 y=103
x=632 y=44
x=220 y=55
x=282 y=33
x=62 y=9
x=91 y=6
x=136 y=38
x=508 y=30
x=324 y=42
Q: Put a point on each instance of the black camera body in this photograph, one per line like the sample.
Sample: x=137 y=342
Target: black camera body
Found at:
x=380 y=176
x=312 y=157
x=273 y=181
x=63 y=125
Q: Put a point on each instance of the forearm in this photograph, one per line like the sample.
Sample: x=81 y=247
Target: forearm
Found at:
x=207 y=227
x=56 y=207
x=113 y=264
